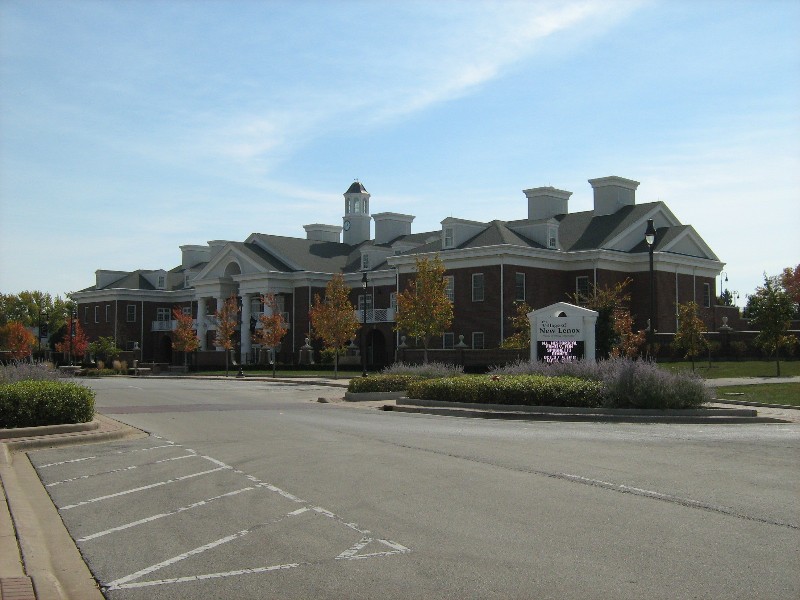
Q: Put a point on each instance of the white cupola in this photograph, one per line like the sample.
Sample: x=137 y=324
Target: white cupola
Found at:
x=356 y=220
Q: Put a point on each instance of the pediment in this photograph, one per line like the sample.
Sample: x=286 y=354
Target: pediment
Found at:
x=228 y=262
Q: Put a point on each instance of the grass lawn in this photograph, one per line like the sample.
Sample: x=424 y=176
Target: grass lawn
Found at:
x=744 y=368
x=768 y=393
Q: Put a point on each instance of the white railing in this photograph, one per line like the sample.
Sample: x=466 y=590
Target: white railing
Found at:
x=376 y=315
x=168 y=325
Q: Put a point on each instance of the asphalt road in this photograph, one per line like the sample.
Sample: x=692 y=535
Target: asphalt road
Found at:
x=255 y=490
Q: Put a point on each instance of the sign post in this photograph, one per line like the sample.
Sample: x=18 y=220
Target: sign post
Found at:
x=562 y=332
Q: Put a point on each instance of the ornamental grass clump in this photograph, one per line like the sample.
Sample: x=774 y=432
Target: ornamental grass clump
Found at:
x=626 y=383
x=530 y=390
x=35 y=403
x=29 y=371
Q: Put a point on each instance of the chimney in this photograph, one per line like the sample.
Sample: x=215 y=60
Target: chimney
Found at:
x=389 y=226
x=192 y=255
x=323 y=233
x=612 y=193
x=546 y=202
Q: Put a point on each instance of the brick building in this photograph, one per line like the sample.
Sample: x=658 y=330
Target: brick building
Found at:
x=490 y=265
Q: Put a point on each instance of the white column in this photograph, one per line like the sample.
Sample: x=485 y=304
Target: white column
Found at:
x=220 y=304
x=202 y=328
x=246 y=341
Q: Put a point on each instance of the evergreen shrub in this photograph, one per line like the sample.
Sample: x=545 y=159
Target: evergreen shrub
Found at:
x=34 y=403
x=531 y=390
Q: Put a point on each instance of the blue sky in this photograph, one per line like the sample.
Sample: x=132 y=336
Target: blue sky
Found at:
x=129 y=128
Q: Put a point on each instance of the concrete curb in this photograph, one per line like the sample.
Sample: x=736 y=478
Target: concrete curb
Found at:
x=19 y=432
x=39 y=558
x=370 y=396
x=749 y=403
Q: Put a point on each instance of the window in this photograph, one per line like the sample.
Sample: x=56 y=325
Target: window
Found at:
x=552 y=237
x=365 y=261
x=707 y=295
x=85 y=314
x=108 y=313
x=450 y=287
x=96 y=314
x=477 y=287
x=582 y=286
x=162 y=314
x=162 y=281
x=131 y=313
x=187 y=310
x=393 y=301
x=448 y=340
x=477 y=340
x=519 y=287
x=361 y=302
x=448 y=237
x=130 y=345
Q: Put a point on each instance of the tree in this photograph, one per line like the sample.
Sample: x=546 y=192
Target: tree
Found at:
x=790 y=280
x=606 y=301
x=104 y=348
x=771 y=310
x=725 y=298
x=333 y=319
x=184 y=338
x=227 y=319
x=521 y=338
x=423 y=309
x=689 y=336
x=629 y=343
x=34 y=309
x=272 y=327
x=79 y=344
x=17 y=339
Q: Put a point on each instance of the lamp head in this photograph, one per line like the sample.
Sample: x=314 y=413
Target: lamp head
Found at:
x=650 y=233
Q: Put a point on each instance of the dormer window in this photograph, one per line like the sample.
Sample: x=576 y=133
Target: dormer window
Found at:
x=364 y=262
x=447 y=238
x=552 y=237
x=162 y=280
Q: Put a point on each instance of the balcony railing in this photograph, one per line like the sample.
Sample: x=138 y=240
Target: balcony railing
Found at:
x=168 y=325
x=376 y=315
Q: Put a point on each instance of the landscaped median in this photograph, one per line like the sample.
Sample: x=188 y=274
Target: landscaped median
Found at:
x=617 y=390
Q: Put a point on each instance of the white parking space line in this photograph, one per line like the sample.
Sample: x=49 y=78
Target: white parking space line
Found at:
x=152 y=518
x=360 y=550
x=76 y=460
x=142 y=488
x=121 y=469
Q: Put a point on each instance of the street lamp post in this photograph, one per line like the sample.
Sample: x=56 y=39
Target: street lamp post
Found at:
x=650 y=239
x=364 y=328
x=73 y=316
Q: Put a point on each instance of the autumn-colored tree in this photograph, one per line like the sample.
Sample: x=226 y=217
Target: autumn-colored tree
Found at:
x=423 y=309
x=227 y=319
x=35 y=309
x=629 y=343
x=184 y=337
x=333 y=319
x=771 y=310
x=521 y=338
x=15 y=338
x=272 y=327
x=689 y=336
x=79 y=344
x=605 y=300
x=790 y=279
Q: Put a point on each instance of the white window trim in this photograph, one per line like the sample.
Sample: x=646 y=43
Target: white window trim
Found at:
x=128 y=313
x=578 y=287
x=707 y=295
x=452 y=337
x=447 y=237
x=450 y=287
x=482 y=288
x=483 y=340
x=516 y=288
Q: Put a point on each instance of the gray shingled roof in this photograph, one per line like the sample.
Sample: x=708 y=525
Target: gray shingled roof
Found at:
x=312 y=255
x=357 y=188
